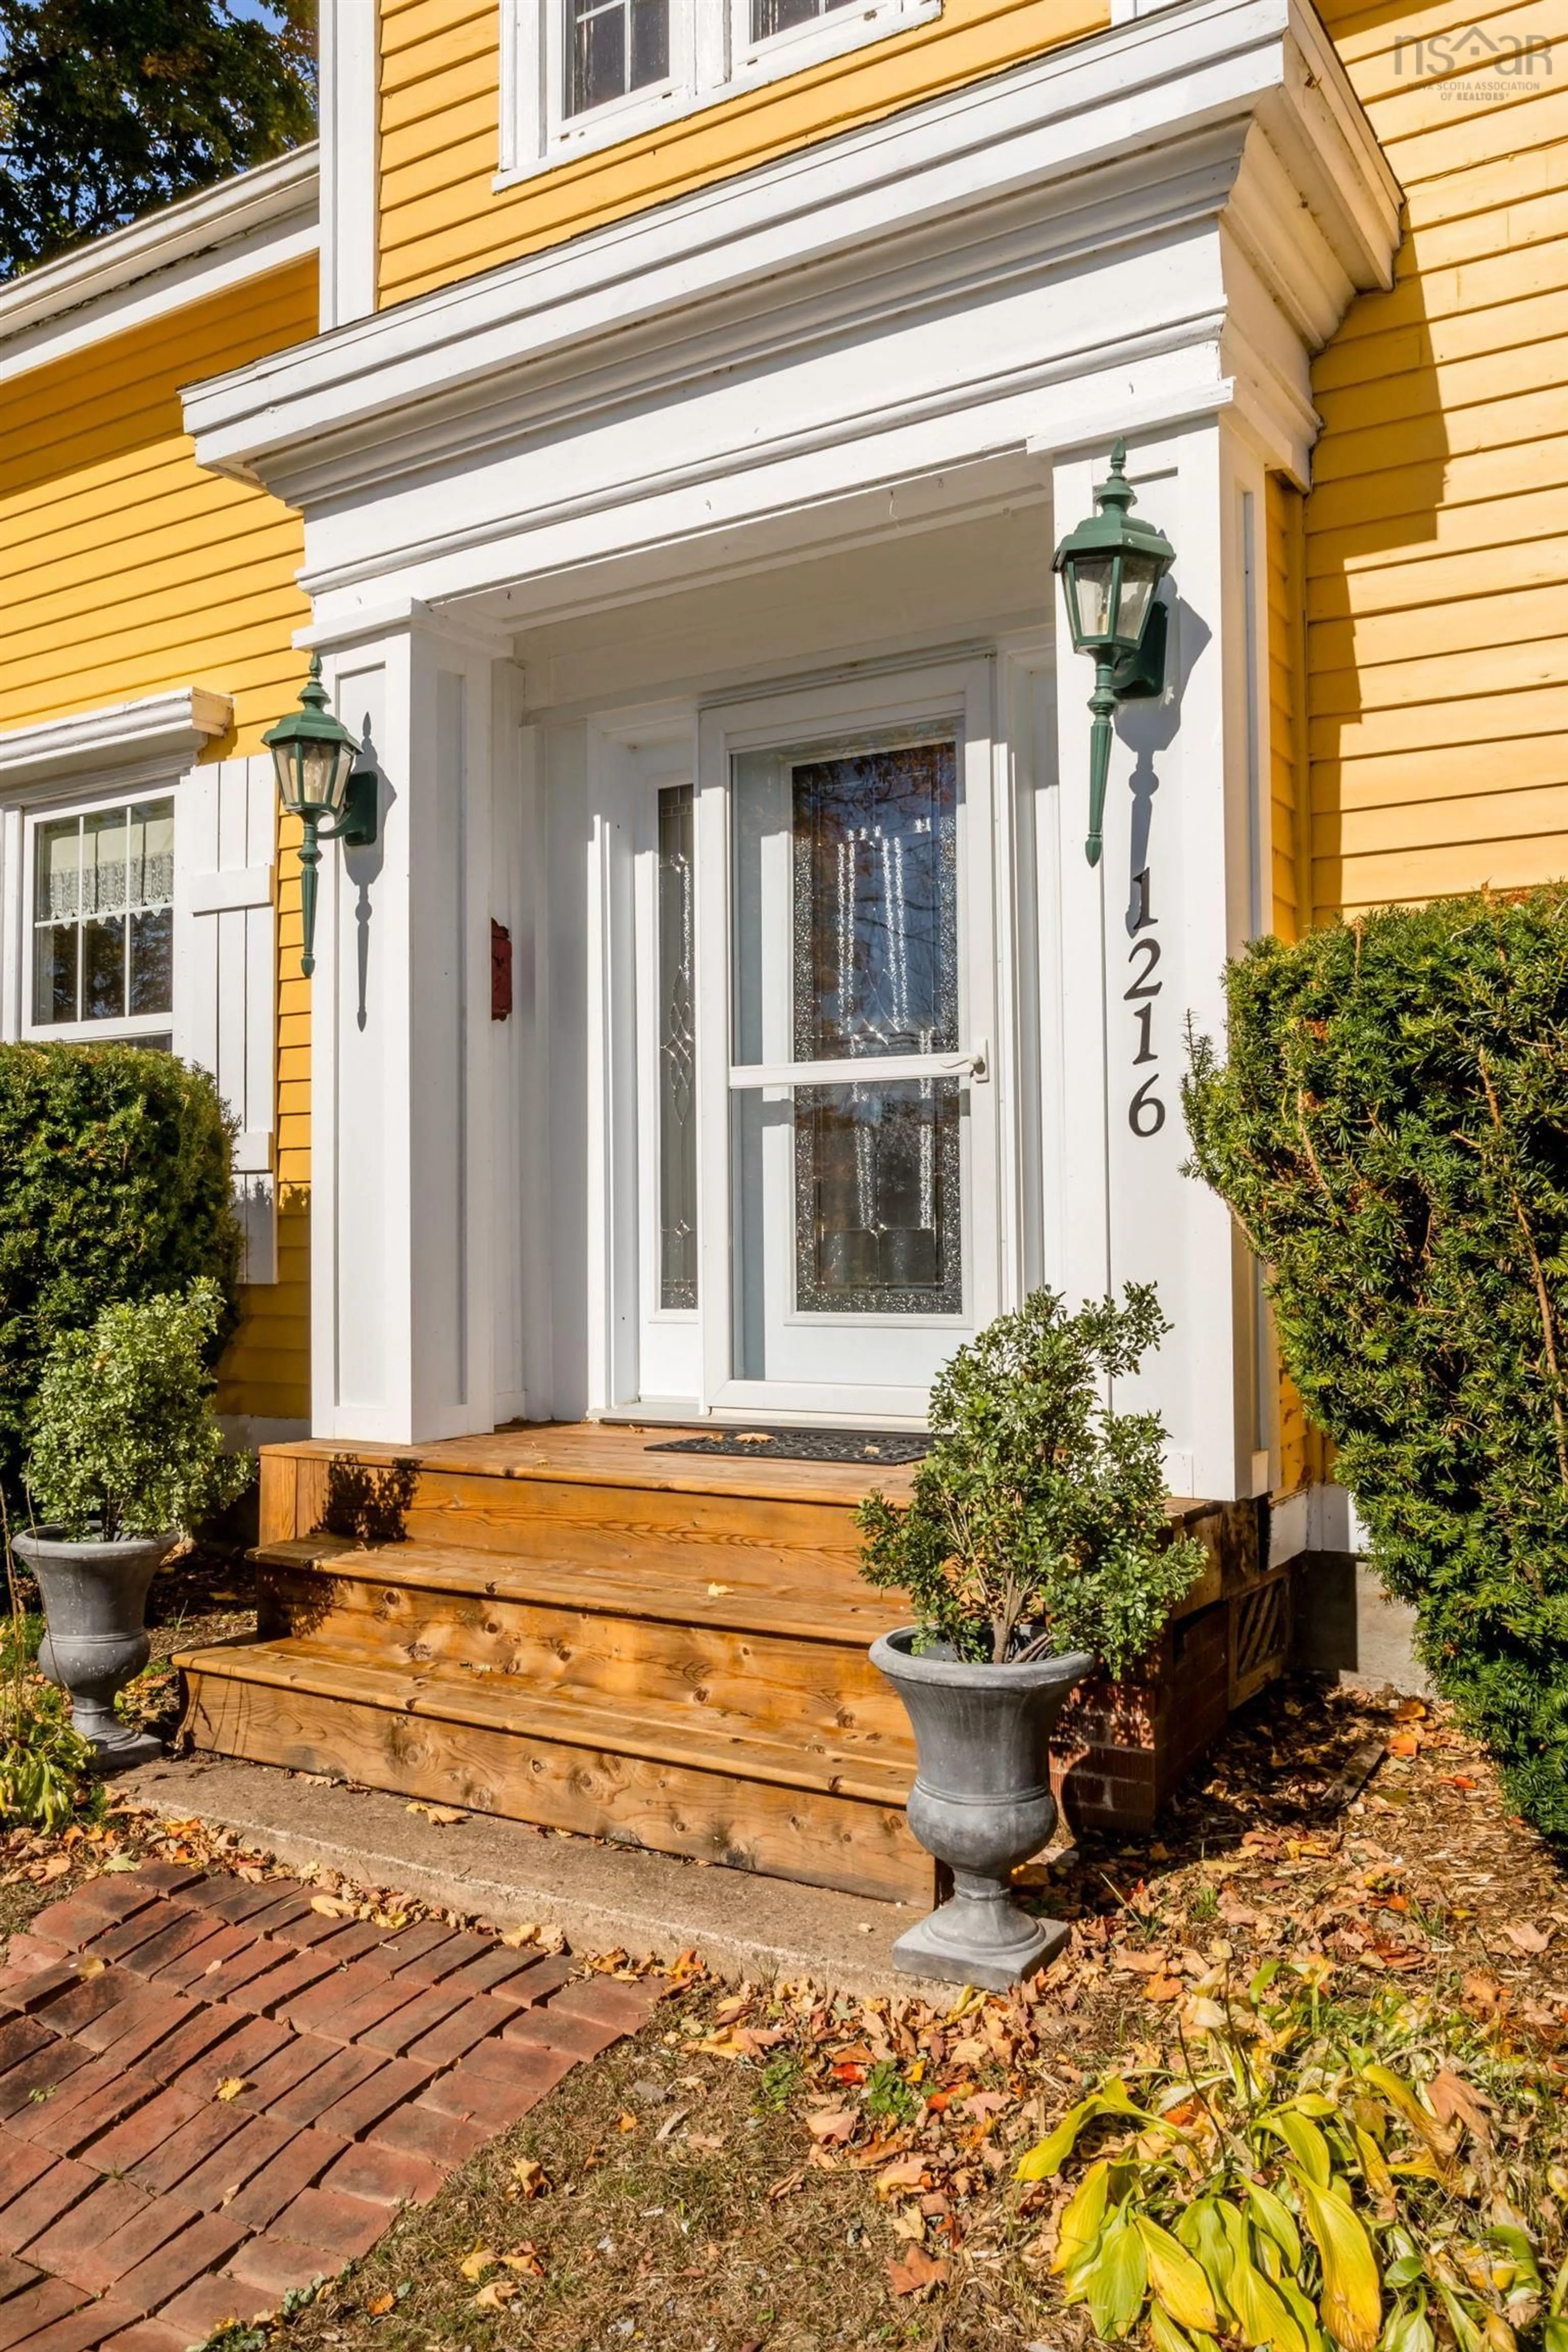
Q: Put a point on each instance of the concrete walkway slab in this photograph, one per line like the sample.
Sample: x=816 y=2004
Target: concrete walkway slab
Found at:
x=601 y=1898
x=174 y=2156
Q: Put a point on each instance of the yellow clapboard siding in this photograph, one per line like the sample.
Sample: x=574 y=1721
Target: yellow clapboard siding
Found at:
x=1481 y=719
x=1283 y=540
x=1459 y=358
x=407 y=114
x=1438 y=525
x=1454 y=144
x=1448 y=772
x=1444 y=872
x=1467 y=624
x=1439 y=579
x=439 y=216
x=1399 y=67
x=127 y=571
x=1396 y=686
x=1485 y=817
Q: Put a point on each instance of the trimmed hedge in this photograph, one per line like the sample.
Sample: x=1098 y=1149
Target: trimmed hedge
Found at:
x=1390 y=1131
x=114 y=1184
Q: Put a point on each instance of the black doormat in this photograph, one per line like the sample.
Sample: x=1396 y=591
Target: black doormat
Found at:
x=878 y=1446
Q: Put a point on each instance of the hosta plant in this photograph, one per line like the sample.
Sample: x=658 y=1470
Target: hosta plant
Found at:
x=43 y=1761
x=1308 y=2176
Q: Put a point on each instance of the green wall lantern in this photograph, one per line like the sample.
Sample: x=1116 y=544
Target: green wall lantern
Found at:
x=317 y=781
x=1111 y=567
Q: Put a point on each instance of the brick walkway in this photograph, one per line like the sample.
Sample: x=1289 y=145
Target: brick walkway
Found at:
x=138 y=2208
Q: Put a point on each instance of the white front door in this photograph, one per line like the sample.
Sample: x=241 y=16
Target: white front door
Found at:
x=849 y=1226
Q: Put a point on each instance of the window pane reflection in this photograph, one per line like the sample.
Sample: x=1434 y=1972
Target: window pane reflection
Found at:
x=616 y=46
x=102 y=914
x=877 y=1199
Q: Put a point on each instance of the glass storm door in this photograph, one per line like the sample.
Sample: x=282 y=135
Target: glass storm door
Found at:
x=859 y=1212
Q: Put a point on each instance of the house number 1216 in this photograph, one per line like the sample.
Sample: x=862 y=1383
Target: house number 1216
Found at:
x=1145 y=1112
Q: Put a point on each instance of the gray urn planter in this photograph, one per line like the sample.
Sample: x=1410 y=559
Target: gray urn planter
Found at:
x=95 y=1597
x=981 y=1802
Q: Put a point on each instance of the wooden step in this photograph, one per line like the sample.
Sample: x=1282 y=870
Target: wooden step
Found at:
x=600 y=1494
x=791 y=1801
x=796 y=1656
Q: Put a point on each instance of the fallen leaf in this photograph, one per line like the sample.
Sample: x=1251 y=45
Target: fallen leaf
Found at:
x=709 y=2142
x=717 y=1592
x=524 y=2261
x=1452 y=2097
x=1404 y=1743
x=629 y=2122
x=89 y=1965
x=1527 y=1936
x=918 y=2273
x=380 y=2304
x=908 y=2223
x=1163 y=1989
x=474 y=2265
x=671 y=2122
x=497 y=2295
x=231 y=2087
x=442 y=1815
x=514 y=1939
x=830 y=2127
x=907 y=2178
x=56 y=1867
x=332 y=1907
x=529 y=2177
x=785 y=2188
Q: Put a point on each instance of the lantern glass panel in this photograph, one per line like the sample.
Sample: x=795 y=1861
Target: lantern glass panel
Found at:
x=1093 y=588
x=324 y=772
x=1139 y=576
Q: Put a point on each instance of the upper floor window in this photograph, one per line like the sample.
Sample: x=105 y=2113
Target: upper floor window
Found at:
x=617 y=46
x=579 y=75
x=771 y=17
x=103 y=919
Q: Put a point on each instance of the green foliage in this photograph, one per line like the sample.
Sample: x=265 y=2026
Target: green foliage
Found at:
x=124 y=1442
x=1037 y=1519
x=109 y=107
x=43 y=1761
x=886 y=2097
x=783 y=2077
x=114 y=1183
x=1309 y=2176
x=1391 y=1131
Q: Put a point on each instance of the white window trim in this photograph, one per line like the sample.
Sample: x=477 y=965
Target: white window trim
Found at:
x=712 y=57
x=120 y=751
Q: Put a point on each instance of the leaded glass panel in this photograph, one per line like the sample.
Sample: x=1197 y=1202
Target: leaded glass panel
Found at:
x=676 y=1067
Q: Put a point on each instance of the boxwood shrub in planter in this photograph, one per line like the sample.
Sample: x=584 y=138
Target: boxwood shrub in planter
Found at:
x=1034 y=1544
x=1391 y=1131
x=114 y=1184
x=125 y=1458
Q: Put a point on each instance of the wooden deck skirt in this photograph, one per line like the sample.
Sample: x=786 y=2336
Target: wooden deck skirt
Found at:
x=557 y=1625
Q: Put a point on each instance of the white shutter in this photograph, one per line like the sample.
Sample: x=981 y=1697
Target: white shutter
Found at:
x=226 y=972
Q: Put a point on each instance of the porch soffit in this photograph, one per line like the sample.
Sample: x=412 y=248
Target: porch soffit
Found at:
x=1200 y=167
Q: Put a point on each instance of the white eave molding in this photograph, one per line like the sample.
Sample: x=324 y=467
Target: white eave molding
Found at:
x=160 y=732
x=324 y=419
x=261 y=220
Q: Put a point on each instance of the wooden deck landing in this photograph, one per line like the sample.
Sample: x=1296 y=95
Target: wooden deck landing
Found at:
x=555 y=1624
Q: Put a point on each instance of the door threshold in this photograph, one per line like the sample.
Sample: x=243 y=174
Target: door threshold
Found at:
x=667 y=1412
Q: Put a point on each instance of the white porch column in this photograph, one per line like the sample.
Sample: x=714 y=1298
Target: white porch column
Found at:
x=1145 y=936
x=401 y=1163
